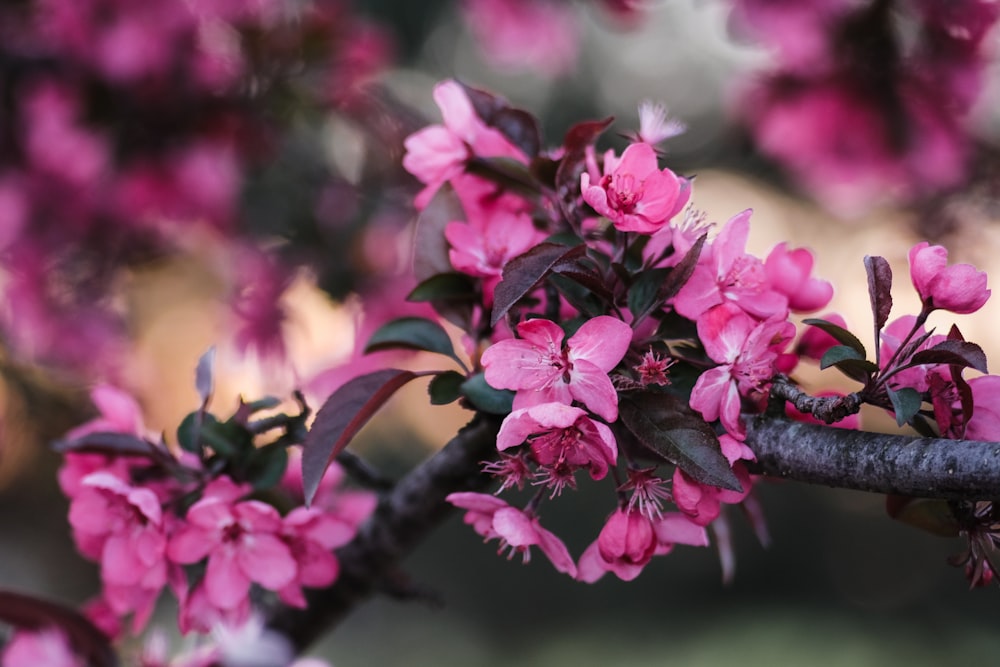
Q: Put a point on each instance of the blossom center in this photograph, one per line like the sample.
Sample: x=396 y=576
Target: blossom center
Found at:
x=624 y=192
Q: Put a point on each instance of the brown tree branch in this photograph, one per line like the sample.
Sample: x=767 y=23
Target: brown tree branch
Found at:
x=405 y=516
x=877 y=462
x=911 y=466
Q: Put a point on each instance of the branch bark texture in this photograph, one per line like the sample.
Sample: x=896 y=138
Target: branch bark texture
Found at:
x=405 y=516
x=882 y=463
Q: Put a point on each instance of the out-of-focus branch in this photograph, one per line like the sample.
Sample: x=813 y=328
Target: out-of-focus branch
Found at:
x=882 y=463
x=404 y=517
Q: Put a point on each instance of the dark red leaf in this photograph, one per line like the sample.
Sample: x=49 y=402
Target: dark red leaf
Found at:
x=840 y=334
x=519 y=126
x=203 y=381
x=953 y=352
x=879 y=290
x=343 y=414
x=666 y=426
x=682 y=271
x=29 y=612
x=112 y=444
x=584 y=134
x=522 y=273
x=430 y=247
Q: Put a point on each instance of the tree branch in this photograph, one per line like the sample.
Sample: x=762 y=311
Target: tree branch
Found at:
x=404 y=517
x=882 y=463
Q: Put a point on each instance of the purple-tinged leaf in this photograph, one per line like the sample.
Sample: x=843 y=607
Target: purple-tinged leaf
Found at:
x=840 y=334
x=683 y=270
x=906 y=403
x=203 y=380
x=413 y=333
x=573 y=162
x=430 y=247
x=32 y=613
x=933 y=515
x=111 y=444
x=522 y=273
x=584 y=134
x=954 y=353
x=343 y=414
x=520 y=127
x=664 y=425
x=517 y=125
x=879 y=291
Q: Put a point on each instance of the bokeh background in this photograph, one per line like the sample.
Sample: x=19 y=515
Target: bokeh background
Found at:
x=840 y=584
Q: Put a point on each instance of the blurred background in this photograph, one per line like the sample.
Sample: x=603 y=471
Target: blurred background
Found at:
x=172 y=179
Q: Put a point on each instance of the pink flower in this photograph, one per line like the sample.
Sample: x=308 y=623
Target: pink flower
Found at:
x=47 y=646
x=985 y=421
x=562 y=439
x=959 y=288
x=311 y=535
x=482 y=246
x=746 y=351
x=542 y=370
x=727 y=273
x=243 y=545
x=702 y=503
x=121 y=526
x=634 y=193
x=493 y=518
x=629 y=540
x=438 y=153
x=788 y=273
x=626 y=543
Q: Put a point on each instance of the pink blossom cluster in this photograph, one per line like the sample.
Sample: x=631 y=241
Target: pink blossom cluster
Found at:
x=148 y=520
x=585 y=295
x=568 y=368
x=856 y=113
x=132 y=129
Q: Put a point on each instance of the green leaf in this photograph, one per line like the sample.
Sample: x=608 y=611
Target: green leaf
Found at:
x=451 y=286
x=413 y=333
x=187 y=432
x=266 y=466
x=849 y=361
x=445 y=387
x=485 y=398
x=666 y=426
x=906 y=403
x=643 y=294
x=522 y=273
x=840 y=334
x=340 y=418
